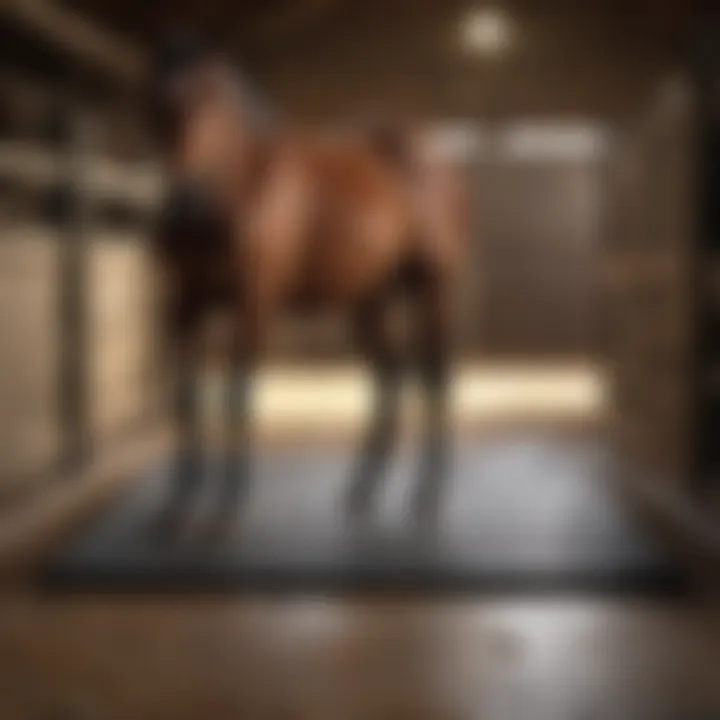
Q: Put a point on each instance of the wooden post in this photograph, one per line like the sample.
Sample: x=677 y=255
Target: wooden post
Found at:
x=706 y=253
x=74 y=234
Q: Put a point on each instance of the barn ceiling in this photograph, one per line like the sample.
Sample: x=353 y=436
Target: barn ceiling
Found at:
x=339 y=56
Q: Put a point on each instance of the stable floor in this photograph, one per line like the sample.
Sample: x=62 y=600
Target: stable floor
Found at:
x=170 y=659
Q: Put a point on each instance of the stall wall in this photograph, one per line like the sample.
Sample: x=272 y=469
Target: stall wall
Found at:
x=536 y=240
x=651 y=283
x=29 y=430
x=122 y=334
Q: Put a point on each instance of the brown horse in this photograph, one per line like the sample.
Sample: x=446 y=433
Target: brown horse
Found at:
x=263 y=219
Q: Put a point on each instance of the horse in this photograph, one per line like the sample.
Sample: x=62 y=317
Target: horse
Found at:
x=264 y=218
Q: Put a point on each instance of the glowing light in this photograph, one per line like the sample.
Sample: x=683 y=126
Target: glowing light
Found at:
x=553 y=141
x=486 y=31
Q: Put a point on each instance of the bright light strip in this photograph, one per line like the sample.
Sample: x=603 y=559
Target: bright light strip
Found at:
x=553 y=142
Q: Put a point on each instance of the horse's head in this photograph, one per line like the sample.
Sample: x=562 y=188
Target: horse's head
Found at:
x=206 y=120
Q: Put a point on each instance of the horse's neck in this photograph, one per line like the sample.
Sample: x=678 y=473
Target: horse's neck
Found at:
x=259 y=137
x=261 y=148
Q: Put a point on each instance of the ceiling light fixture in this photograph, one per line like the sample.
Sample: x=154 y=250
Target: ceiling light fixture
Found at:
x=486 y=32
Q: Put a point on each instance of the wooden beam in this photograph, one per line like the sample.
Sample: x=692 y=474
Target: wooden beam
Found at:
x=286 y=23
x=290 y=19
x=74 y=227
x=76 y=36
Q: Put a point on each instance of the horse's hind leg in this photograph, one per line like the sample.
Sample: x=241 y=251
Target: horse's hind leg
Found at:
x=434 y=368
x=377 y=445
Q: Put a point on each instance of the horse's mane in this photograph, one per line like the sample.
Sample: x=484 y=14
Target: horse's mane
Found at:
x=182 y=51
x=255 y=106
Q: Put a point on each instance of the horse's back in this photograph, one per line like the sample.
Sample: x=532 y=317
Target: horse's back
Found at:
x=349 y=208
x=434 y=189
x=360 y=221
x=440 y=204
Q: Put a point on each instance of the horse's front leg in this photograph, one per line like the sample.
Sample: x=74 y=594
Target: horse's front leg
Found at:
x=186 y=470
x=236 y=468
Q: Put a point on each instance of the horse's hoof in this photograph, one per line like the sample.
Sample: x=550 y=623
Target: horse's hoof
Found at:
x=359 y=521
x=221 y=528
x=425 y=510
x=168 y=526
x=426 y=520
x=356 y=509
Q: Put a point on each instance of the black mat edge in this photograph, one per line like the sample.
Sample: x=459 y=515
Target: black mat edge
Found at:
x=651 y=583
